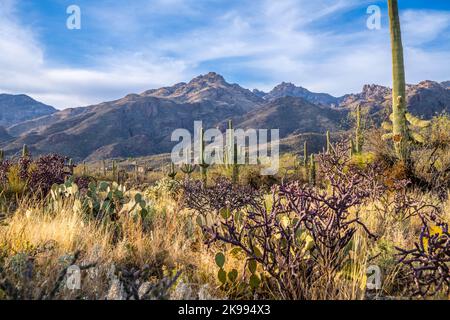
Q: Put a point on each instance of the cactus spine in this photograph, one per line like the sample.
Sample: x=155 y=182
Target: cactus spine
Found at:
x=312 y=170
x=400 y=132
x=202 y=163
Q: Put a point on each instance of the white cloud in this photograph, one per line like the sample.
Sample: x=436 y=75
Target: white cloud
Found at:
x=422 y=26
x=24 y=69
x=272 y=40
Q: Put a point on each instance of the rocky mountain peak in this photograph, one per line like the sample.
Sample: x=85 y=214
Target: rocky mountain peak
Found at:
x=374 y=91
x=208 y=79
x=428 y=84
x=288 y=89
x=210 y=87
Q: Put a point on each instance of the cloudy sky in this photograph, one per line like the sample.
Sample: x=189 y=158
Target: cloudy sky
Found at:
x=132 y=46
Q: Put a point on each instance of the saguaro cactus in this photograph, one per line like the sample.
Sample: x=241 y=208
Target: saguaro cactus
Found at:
x=104 y=168
x=25 y=152
x=312 y=170
x=400 y=134
x=232 y=154
x=172 y=173
x=2 y=155
x=202 y=163
x=71 y=166
x=305 y=154
x=358 y=134
x=328 y=142
x=115 y=176
x=187 y=169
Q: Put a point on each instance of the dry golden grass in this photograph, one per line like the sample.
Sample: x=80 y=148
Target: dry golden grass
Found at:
x=174 y=242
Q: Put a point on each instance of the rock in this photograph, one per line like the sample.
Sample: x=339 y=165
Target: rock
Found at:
x=116 y=291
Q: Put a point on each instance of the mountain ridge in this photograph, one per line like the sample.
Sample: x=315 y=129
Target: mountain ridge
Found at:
x=141 y=124
x=16 y=108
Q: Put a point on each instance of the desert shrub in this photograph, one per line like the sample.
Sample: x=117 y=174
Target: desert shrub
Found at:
x=251 y=176
x=302 y=235
x=48 y=170
x=163 y=188
x=33 y=176
x=220 y=195
x=400 y=203
x=428 y=264
x=432 y=158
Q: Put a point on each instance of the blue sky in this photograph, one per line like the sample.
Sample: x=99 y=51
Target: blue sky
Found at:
x=132 y=46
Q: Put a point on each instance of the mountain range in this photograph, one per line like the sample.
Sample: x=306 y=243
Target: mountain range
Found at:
x=141 y=124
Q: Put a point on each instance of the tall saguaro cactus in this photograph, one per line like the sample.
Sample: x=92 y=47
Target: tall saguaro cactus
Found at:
x=114 y=171
x=328 y=142
x=312 y=170
x=400 y=132
x=305 y=154
x=358 y=136
x=232 y=153
x=25 y=152
x=202 y=163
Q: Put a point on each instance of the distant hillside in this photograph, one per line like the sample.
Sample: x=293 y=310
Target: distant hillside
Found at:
x=140 y=125
x=290 y=90
x=426 y=99
x=18 y=108
x=292 y=116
